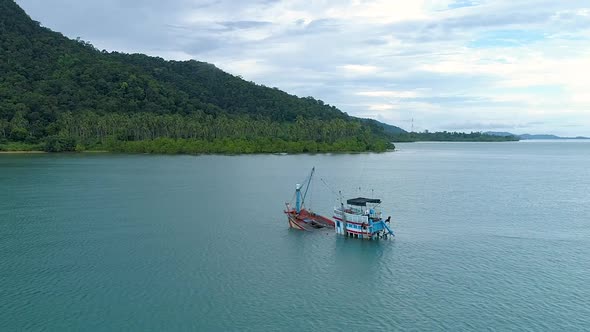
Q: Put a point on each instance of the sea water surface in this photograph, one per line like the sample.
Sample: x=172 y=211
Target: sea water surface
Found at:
x=489 y=236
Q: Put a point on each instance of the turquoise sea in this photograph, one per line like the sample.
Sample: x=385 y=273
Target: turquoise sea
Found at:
x=489 y=236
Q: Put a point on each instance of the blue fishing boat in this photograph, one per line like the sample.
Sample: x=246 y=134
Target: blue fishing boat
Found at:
x=362 y=218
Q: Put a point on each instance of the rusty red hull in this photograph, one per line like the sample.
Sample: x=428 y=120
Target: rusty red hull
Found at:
x=308 y=221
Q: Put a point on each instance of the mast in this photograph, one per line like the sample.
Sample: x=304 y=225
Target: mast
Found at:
x=307 y=186
x=299 y=200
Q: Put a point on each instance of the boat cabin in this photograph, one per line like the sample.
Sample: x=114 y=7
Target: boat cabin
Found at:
x=361 y=218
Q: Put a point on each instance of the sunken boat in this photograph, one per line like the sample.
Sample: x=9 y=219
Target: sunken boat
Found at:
x=301 y=218
x=362 y=218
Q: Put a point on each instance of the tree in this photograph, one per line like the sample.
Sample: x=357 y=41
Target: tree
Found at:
x=19 y=127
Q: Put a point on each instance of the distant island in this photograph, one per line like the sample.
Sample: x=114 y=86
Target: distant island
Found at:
x=446 y=136
x=59 y=94
x=400 y=135
x=531 y=137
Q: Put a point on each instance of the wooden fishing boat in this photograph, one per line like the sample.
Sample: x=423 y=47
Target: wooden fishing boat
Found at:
x=302 y=218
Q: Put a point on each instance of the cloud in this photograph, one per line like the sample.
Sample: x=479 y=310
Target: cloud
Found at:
x=381 y=107
x=359 y=69
x=447 y=64
x=389 y=94
x=238 y=25
x=462 y=3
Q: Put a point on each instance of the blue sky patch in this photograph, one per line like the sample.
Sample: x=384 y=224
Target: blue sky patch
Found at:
x=462 y=3
x=506 y=38
x=544 y=90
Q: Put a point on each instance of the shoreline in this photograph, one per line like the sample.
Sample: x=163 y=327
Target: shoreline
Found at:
x=45 y=152
x=192 y=154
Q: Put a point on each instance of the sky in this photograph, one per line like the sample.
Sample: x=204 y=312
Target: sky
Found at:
x=521 y=66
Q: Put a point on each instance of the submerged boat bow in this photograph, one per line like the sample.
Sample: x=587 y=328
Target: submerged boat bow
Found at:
x=302 y=218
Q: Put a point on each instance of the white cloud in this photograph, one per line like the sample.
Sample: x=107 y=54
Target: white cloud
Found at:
x=389 y=94
x=381 y=107
x=360 y=69
x=383 y=11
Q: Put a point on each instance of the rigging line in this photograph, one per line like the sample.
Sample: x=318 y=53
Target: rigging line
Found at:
x=328 y=186
x=310 y=197
x=307 y=178
x=308 y=191
x=337 y=195
x=360 y=176
x=307 y=186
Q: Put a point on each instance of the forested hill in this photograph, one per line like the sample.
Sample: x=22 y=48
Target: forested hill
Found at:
x=61 y=94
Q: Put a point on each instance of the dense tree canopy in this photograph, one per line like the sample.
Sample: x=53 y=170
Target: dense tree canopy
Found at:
x=60 y=94
x=53 y=87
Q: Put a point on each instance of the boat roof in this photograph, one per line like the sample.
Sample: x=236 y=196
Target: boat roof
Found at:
x=361 y=201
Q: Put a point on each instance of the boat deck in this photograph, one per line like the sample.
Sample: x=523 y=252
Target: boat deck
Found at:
x=308 y=221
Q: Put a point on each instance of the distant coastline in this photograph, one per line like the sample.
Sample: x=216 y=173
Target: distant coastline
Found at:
x=22 y=152
x=535 y=136
x=445 y=136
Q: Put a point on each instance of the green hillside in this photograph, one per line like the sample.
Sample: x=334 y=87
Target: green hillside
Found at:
x=387 y=128
x=60 y=94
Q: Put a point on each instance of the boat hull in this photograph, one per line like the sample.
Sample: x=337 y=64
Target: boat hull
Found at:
x=308 y=221
x=366 y=229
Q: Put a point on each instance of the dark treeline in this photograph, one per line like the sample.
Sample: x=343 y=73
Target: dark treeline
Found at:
x=91 y=131
x=238 y=146
x=445 y=136
x=53 y=89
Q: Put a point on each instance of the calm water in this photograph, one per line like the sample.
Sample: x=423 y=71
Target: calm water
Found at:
x=492 y=236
